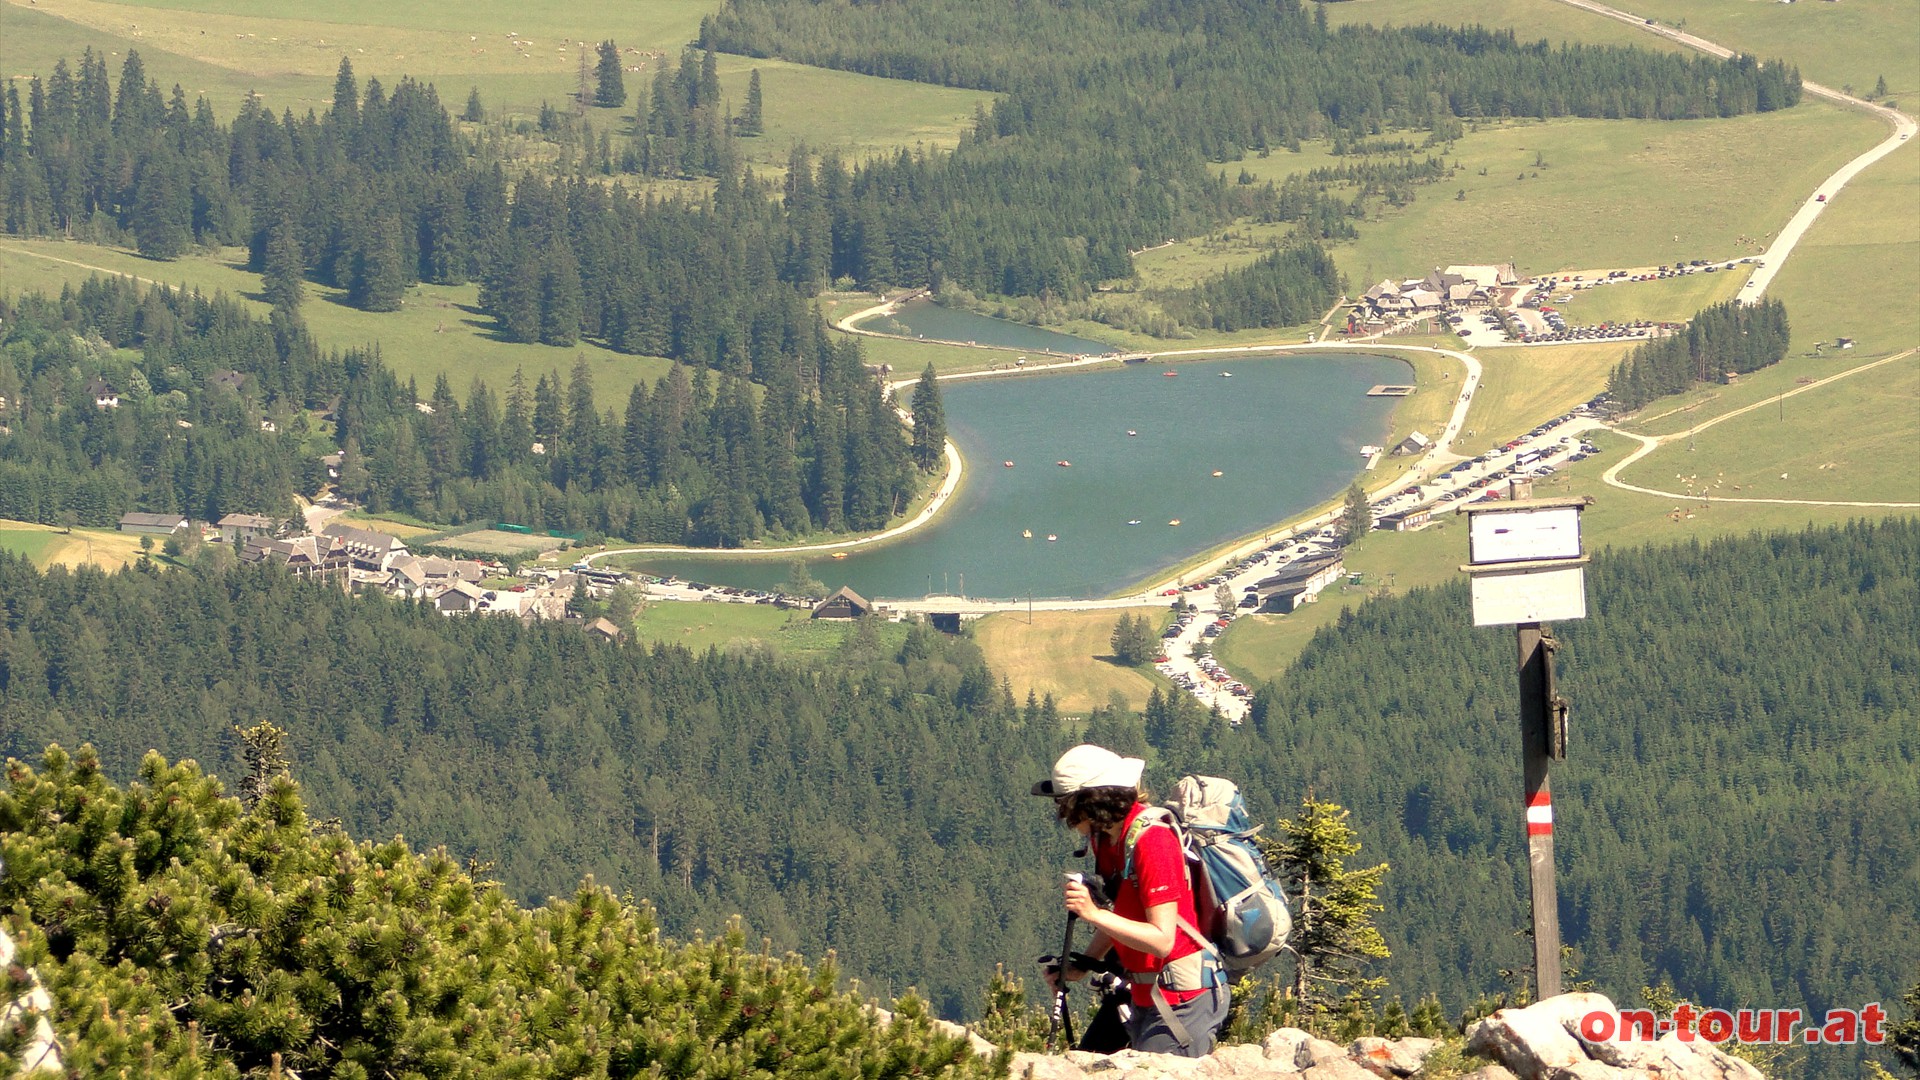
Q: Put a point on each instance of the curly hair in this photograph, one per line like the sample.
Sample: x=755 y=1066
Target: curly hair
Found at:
x=1104 y=807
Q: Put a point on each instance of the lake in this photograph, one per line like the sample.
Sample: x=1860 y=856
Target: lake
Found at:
x=1284 y=432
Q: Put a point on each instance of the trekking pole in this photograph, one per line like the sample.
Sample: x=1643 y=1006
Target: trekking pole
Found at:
x=1062 y=1015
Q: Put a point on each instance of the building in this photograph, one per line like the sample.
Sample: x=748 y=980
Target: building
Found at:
x=1405 y=520
x=604 y=629
x=1415 y=443
x=153 y=524
x=237 y=529
x=317 y=557
x=460 y=598
x=369 y=550
x=843 y=604
x=229 y=380
x=1299 y=582
x=103 y=394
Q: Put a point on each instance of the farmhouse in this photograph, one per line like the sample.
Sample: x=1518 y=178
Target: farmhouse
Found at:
x=103 y=394
x=843 y=604
x=237 y=529
x=153 y=524
x=460 y=598
x=604 y=629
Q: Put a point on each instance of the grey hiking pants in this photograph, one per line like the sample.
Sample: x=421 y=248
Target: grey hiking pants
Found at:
x=1202 y=1017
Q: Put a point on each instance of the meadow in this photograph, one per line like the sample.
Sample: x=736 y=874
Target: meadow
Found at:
x=51 y=545
x=1838 y=44
x=732 y=627
x=1067 y=654
x=289 y=54
x=438 y=329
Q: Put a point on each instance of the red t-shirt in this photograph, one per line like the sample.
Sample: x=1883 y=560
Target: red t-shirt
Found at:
x=1159 y=875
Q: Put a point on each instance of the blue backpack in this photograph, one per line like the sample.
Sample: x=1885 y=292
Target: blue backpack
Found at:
x=1241 y=907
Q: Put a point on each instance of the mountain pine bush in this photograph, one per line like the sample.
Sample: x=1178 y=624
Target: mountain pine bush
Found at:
x=184 y=934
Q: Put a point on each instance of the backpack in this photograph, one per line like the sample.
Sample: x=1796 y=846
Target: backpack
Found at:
x=1241 y=907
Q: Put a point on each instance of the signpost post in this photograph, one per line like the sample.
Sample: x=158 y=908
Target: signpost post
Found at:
x=1527 y=568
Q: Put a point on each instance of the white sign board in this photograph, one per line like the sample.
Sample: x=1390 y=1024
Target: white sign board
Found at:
x=1551 y=532
x=1520 y=595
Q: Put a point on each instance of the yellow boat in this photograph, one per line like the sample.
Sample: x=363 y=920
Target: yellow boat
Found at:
x=1175 y=521
x=1026 y=534
x=839 y=554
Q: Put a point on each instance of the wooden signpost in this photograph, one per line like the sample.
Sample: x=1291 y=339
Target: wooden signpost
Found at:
x=1527 y=568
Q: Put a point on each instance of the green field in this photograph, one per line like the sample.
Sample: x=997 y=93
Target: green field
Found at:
x=36 y=544
x=1064 y=653
x=289 y=54
x=439 y=328
x=731 y=627
x=51 y=545
x=1519 y=387
x=1672 y=300
x=1856 y=272
x=1608 y=194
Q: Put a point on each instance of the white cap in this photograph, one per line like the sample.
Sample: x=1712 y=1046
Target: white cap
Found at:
x=1088 y=766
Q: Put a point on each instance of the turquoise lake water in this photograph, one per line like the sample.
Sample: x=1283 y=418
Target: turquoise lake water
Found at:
x=1285 y=433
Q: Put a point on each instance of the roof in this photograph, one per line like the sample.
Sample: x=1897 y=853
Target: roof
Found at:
x=1299 y=572
x=466 y=589
x=604 y=625
x=99 y=387
x=247 y=521
x=167 y=521
x=366 y=538
x=844 y=593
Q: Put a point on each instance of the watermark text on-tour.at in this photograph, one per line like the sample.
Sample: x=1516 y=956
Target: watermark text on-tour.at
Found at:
x=1838 y=1027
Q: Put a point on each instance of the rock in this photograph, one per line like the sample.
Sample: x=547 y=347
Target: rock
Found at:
x=1388 y=1057
x=1529 y=1041
x=1336 y=1069
x=1571 y=1009
x=1595 y=1070
x=1027 y=1066
x=1490 y=1072
x=1284 y=1045
x=1313 y=1051
x=1241 y=1060
x=1134 y=1065
x=41 y=1051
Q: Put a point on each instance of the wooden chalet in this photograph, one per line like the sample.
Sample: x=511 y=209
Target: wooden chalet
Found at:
x=843 y=604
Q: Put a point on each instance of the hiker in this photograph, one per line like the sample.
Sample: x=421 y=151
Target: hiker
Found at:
x=1180 y=993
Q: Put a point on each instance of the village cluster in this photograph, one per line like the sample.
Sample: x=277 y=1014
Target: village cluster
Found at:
x=369 y=561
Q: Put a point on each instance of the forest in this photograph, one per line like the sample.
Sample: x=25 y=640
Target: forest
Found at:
x=1100 y=145
x=222 y=411
x=1719 y=343
x=1735 y=812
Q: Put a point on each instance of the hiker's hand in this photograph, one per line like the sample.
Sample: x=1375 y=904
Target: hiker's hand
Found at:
x=1078 y=900
x=1074 y=974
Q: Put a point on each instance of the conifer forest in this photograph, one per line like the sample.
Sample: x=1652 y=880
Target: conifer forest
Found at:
x=259 y=825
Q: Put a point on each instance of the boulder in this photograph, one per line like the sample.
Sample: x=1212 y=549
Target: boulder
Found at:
x=1242 y=1060
x=1284 y=1045
x=1529 y=1041
x=1027 y=1066
x=1336 y=1069
x=1313 y=1051
x=1490 y=1072
x=1391 y=1057
x=1596 y=1070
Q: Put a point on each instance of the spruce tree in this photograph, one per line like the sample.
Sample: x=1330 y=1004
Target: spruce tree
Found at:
x=1333 y=932
x=378 y=279
x=929 y=422
x=611 y=91
x=282 y=278
x=752 y=120
x=162 y=206
x=475 y=112
x=1357 y=518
